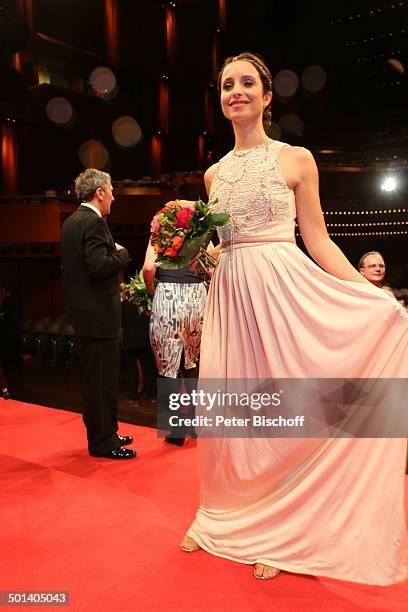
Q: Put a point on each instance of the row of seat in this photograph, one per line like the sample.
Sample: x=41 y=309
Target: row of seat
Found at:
x=51 y=339
x=49 y=325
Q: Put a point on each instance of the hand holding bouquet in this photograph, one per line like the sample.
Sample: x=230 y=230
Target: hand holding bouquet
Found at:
x=181 y=232
x=135 y=291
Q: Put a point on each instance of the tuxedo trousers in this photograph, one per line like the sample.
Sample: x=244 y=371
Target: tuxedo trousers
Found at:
x=100 y=364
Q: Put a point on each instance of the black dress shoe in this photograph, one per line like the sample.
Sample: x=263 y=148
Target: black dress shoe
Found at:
x=4 y=393
x=117 y=453
x=176 y=441
x=125 y=440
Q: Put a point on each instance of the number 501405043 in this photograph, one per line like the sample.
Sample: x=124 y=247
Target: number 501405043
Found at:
x=34 y=598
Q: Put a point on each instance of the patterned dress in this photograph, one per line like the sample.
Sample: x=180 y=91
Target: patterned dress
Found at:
x=176 y=321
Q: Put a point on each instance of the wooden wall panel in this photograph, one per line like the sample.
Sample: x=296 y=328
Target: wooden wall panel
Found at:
x=30 y=223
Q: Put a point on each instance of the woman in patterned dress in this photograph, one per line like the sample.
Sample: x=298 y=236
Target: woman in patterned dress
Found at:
x=175 y=324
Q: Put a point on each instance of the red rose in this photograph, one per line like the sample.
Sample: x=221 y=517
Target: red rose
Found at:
x=183 y=218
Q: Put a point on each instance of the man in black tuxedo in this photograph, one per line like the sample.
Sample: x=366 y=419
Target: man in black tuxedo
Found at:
x=92 y=262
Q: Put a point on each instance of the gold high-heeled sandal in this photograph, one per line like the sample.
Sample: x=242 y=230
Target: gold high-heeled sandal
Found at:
x=188 y=544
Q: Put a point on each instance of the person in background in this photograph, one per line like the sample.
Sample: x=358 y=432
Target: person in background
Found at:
x=4 y=392
x=137 y=354
x=9 y=339
x=92 y=263
x=372 y=267
x=175 y=326
x=402 y=296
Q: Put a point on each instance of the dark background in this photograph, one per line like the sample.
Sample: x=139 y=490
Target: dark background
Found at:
x=356 y=125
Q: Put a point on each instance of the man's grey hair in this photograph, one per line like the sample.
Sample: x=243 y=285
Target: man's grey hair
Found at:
x=361 y=262
x=89 y=181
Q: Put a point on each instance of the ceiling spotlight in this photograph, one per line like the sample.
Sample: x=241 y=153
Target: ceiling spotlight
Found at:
x=389 y=184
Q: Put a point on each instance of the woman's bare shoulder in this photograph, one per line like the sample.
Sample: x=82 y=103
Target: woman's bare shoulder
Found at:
x=297 y=154
x=297 y=164
x=209 y=176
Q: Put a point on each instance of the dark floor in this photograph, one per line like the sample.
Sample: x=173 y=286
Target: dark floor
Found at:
x=60 y=386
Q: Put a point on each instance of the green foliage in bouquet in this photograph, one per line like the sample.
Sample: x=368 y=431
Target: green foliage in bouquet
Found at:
x=135 y=291
x=181 y=232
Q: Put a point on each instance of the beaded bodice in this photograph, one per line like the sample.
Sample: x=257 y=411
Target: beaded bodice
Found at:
x=249 y=185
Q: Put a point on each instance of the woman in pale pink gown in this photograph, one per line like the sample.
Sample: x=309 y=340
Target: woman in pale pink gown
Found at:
x=328 y=507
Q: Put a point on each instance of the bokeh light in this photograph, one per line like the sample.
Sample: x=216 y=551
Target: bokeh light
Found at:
x=93 y=154
x=103 y=81
x=314 y=79
x=292 y=125
x=126 y=131
x=60 y=111
x=274 y=131
x=286 y=83
x=396 y=65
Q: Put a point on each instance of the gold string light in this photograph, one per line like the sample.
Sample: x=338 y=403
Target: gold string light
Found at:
x=365 y=212
x=359 y=234
x=369 y=224
x=395 y=233
x=374 y=224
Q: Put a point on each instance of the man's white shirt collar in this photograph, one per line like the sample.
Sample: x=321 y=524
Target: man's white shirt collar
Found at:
x=92 y=207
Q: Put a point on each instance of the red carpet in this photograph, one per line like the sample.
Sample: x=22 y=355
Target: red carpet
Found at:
x=107 y=532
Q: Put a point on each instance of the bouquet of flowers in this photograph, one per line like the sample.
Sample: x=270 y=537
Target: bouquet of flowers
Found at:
x=181 y=232
x=135 y=291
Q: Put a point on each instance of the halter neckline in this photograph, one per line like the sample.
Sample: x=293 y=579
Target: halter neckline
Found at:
x=241 y=152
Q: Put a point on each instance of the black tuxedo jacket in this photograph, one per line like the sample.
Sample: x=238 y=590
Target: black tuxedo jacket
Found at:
x=91 y=266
